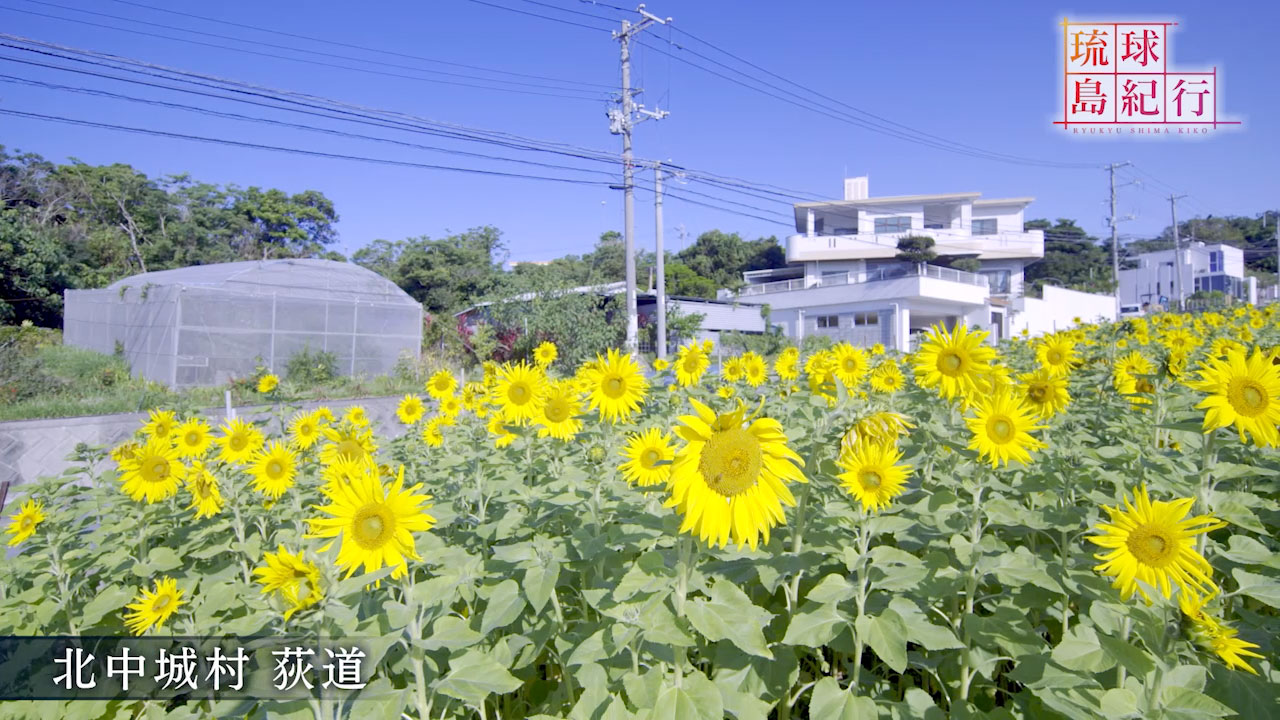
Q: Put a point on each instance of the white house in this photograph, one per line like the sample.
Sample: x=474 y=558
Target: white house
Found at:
x=842 y=278
x=1203 y=268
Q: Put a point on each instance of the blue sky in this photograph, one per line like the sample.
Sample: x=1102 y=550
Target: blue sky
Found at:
x=985 y=74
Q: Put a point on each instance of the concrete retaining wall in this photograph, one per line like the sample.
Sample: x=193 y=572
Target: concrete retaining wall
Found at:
x=31 y=448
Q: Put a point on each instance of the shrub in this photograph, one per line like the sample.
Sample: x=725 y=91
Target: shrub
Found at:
x=312 y=367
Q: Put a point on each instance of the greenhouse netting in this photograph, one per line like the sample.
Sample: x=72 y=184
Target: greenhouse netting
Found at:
x=207 y=324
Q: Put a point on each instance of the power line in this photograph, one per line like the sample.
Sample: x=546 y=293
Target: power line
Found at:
x=364 y=48
x=318 y=63
x=538 y=15
x=296 y=151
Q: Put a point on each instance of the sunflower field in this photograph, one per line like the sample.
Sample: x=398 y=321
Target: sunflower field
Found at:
x=1080 y=525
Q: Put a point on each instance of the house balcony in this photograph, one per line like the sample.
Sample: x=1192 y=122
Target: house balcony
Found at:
x=900 y=282
x=949 y=241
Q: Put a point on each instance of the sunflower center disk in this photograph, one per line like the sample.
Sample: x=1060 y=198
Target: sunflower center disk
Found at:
x=1037 y=393
x=159 y=471
x=1000 y=429
x=371 y=526
x=1054 y=357
x=161 y=602
x=1249 y=398
x=950 y=362
x=614 y=387
x=193 y=438
x=731 y=461
x=275 y=469
x=650 y=458
x=1151 y=546
x=557 y=411
x=870 y=479
x=519 y=393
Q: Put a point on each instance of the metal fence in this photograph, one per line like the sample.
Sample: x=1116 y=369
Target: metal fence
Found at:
x=853 y=277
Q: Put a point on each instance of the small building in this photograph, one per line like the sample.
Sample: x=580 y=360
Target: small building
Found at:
x=207 y=324
x=1204 y=268
x=843 y=280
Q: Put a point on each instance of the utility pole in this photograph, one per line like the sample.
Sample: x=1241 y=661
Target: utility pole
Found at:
x=1177 y=249
x=1115 y=238
x=662 y=275
x=621 y=120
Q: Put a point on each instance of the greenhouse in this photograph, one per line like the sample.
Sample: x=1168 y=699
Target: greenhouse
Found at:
x=207 y=324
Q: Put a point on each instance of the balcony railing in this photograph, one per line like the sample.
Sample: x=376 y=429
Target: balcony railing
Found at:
x=1031 y=241
x=867 y=276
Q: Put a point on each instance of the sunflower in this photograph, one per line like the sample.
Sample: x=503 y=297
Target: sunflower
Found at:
x=347 y=441
x=324 y=414
x=1001 y=427
x=877 y=349
x=1244 y=393
x=273 y=470
x=872 y=474
x=1214 y=636
x=882 y=428
x=23 y=524
x=617 y=386
x=661 y=364
x=238 y=442
x=708 y=346
x=754 y=371
x=1223 y=345
x=691 y=363
x=293 y=576
x=1044 y=391
x=193 y=438
x=267 y=383
x=649 y=456
x=473 y=395
x=502 y=434
x=851 y=364
x=887 y=377
x=953 y=360
x=356 y=416
x=1057 y=354
x=730 y=478
x=206 y=497
x=1153 y=542
x=431 y=431
x=151 y=608
x=450 y=407
x=545 y=354
x=124 y=451
x=1180 y=340
x=558 y=417
x=410 y=409
x=732 y=370
x=443 y=384
x=787 y=364
x=725 y=391
x=160 y=424
x=518 y=392
x=374 y=525
x=154 y=473
x=304 y=429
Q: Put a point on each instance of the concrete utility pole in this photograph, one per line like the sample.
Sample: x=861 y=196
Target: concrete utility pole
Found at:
x=662 y=275
x=1177 y=249
x=1112 y=220
x=621 y=120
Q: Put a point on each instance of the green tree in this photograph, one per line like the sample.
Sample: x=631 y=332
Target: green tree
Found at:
x=1072 y=259
x=36 y=271
x=916 y=249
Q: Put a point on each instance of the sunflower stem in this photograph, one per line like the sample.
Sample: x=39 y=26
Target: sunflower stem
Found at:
x=1125 y=626
x=797 y=539
x=1206 y=485
x=864 y=544
x=682 y=590
x=967 y=671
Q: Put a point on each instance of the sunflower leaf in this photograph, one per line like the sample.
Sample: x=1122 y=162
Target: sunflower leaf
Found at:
x=815 y=625
x=1259 y=587
x=886 y=634
x=505 y=605
x=831 y=701
x=730 y=615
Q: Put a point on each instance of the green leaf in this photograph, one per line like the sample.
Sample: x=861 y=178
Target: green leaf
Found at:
x=539 y=583
x=814 y=625
x=673 y=703
x=922 y=632
x=833 y=588
x=1245 y=550
x=450 y=632
x=505 y=605
x=110 y=600
x=475 y=676
x=1258 y=587
x=1080 y=650
x=831 y=701
x=1132 y=658
x=886 y=634
x=1181 y=702
x=163 y=559
x=705 y=695
x=730 y=615
x=1119 y=703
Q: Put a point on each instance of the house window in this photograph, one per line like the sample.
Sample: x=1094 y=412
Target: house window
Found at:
x=899 y=223
x=1215 y=261
x=998 y=281
x=866 y=318
x=984 y=226
x=828 y=321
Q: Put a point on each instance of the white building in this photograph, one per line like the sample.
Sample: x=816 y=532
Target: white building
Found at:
x=843 y=280
x=1204 y=268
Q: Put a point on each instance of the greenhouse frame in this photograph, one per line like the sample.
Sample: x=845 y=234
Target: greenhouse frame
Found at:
x=208 y=324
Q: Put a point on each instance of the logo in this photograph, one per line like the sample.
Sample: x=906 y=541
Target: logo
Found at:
x=1119 y=79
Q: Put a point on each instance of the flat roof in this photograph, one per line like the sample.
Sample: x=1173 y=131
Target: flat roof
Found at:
x=1005 y=201
x=891 y=200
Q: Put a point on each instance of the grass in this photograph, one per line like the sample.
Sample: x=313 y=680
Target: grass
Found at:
x=42 y=378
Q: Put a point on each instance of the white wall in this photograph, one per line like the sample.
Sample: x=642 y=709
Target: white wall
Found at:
x=1008 y=217
x=1058 y=308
